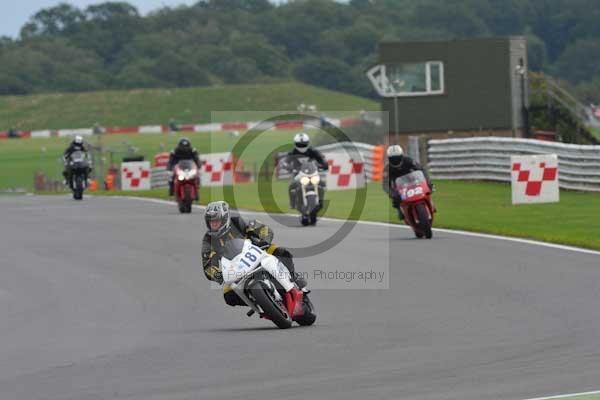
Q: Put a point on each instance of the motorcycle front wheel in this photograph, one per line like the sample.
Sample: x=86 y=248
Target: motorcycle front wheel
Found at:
x=187 y=200
x=424 y=221
x=78 y=190
x=272 y=308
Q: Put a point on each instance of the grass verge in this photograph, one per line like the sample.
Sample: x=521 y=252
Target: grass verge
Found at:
x=21 y=159
x=596 y=133
x=158 y=106
x=471 y=206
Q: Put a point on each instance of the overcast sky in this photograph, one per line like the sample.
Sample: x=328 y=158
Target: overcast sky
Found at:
x=14 y=13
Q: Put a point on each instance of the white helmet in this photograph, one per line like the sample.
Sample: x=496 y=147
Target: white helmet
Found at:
x=78 y=139
x=301 y=141
x=395 y=154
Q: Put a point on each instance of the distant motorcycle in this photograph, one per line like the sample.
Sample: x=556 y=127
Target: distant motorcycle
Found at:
x=416 y=204
x=306 y=191
x=264 y=284
x=79 y=167
x=186 y=185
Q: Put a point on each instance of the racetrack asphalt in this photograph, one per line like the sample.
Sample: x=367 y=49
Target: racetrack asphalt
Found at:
x=106 y=299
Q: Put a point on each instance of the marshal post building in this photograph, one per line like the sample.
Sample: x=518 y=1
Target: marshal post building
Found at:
x=457 y=88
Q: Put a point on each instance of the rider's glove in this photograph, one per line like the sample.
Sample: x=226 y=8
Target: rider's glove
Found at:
x=214 y=273
x=263 y=244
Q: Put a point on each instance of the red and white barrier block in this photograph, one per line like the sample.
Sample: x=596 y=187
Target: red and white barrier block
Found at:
x=535 y=179
x=345 y=172
x=136 y=175
x=216 y=169
x=200 y=128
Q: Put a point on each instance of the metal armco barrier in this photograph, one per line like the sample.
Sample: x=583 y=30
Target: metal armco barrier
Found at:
x=160 y=177
x=488 y=158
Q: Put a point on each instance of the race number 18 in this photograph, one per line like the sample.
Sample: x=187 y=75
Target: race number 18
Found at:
x=252 y=257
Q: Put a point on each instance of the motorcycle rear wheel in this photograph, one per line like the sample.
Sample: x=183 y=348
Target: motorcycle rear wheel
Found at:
x=309 y=317
x=267 y=303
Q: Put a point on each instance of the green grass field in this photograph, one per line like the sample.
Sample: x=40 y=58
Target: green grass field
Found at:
x=158 y=106
x=20 y=159
x=595 y=396
x=584 y=397
x=471 y=206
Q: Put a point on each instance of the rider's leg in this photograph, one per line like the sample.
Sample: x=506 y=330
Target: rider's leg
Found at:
x=67 y=175
x=287 y=259
x=396 y=205
x=293 y=192
x=231 y=298
x=321 y=190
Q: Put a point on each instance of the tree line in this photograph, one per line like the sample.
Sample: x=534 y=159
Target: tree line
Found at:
x=325 y=43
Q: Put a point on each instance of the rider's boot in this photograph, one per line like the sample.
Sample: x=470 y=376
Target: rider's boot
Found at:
x=400 y=214
x=396 y=205
x=171 y=191
x=299 y=280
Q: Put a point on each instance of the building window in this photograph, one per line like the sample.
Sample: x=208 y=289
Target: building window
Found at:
x=416 y=79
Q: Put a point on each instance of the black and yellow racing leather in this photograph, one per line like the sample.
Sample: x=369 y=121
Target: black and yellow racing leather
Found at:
x=259 y=233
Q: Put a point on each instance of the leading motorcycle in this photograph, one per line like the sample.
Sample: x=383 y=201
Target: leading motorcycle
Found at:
x=186 y=185
x=415 y=203
x=79 y=167
x=264 y=284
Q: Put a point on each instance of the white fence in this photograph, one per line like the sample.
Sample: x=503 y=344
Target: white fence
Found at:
x=488 y=158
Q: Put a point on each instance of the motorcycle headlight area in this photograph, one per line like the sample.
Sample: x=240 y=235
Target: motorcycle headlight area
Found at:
x=183 y=175
x=305 y=180
x=315 y=179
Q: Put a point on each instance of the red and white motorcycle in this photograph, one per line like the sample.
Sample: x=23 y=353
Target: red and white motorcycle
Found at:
x=265 y=285
x=415 y=202
x=186 y=185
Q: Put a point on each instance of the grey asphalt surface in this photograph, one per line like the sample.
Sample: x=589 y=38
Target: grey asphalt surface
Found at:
x=106 y=299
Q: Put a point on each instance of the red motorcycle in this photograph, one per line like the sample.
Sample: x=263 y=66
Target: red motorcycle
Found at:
x=416 y=204
x=186 y=185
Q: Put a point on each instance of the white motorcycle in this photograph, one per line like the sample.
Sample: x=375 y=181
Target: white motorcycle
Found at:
x=264 y=284
x=307 y=191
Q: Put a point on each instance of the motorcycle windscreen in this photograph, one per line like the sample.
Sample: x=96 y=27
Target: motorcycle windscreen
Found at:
x=233 y=247
x=78 y=156
x=414 y=178
x=309 y=168
x=186 y=165
x=294 y=162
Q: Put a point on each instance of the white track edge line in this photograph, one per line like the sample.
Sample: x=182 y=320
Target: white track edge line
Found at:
x=389 y=225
